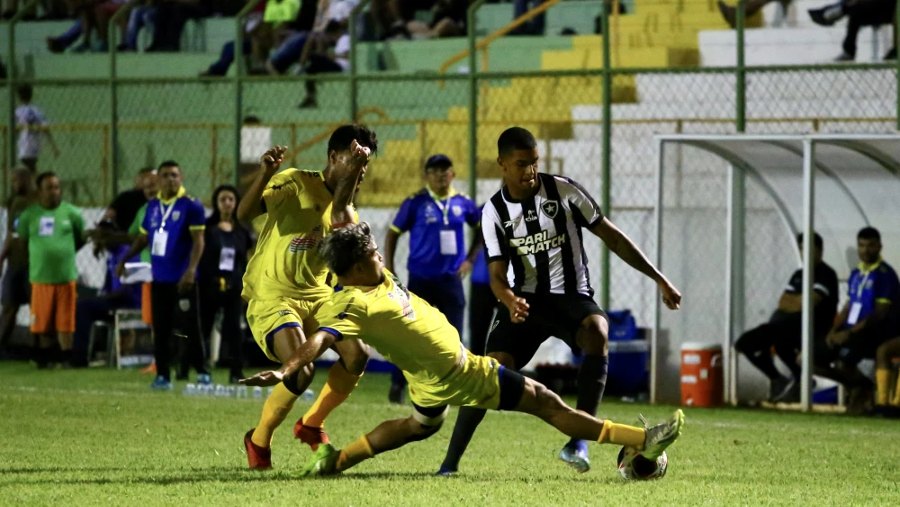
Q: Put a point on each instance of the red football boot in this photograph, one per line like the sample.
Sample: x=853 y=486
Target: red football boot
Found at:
x=310 y=435
x=259 y=458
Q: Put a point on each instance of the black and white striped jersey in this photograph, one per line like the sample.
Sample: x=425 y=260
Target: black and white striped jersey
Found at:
x=541 y=236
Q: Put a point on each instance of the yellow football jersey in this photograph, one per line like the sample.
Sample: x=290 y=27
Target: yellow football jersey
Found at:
x=417 y=338
x=286 y=261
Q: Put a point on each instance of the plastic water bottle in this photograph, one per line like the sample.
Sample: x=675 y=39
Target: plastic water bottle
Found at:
x=257 y=392
x=309 y=395
x=241 y=392
x=190 y=390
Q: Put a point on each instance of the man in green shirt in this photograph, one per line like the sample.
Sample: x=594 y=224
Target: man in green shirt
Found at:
x=53 y=230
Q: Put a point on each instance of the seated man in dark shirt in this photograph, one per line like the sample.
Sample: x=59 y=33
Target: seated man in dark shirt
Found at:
x=783 y=331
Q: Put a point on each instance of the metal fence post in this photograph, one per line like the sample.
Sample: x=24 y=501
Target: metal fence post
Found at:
x=112 y=40
x=741 y=72
x=354 y=70
x=473 y=97
x=238 y=86
x=605 y=155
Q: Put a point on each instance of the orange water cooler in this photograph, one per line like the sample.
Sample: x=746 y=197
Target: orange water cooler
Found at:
x=701 y=375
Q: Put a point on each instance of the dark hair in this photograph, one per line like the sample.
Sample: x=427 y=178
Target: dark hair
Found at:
x=25 y=92
x=817 y=240
x=146 y=170
x=345 y=134
x=869 y=233
x=343 y=248
x=216 y=216
x=43 y=176
x=168 y=163
x=515 y=138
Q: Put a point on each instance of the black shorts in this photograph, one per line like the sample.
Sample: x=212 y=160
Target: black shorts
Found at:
x=16 y=289
x=557 y=315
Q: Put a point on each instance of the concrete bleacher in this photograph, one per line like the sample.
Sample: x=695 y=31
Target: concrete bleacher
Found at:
x=654 y=33
x=791 y=38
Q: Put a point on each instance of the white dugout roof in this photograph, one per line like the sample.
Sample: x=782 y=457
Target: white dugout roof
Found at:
x=833 y=184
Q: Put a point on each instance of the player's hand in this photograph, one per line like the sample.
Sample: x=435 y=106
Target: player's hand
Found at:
x=837 y=338
x=273 y=158
x=670 y=295
x=186 y=283
x=464 y=269
x=518 y=310
x=359 y=157
x=263 y=378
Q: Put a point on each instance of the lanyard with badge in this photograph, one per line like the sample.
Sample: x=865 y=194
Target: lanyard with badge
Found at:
x=161 y=238
x=448 y=236
x=856 y=307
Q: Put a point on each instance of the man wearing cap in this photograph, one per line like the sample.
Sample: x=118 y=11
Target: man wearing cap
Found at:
x=438 y=259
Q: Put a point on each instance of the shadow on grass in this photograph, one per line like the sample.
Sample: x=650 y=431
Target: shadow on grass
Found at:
x=155 y=476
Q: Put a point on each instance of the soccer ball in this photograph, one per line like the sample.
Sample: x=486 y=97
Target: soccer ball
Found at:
x=634 y=467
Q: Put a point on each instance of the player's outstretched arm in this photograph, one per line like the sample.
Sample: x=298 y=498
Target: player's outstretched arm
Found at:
x=342 y=207
x=251 y=205
x=621 y=245
x=305 y=354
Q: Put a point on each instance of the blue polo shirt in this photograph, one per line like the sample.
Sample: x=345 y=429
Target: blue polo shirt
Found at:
x=869 y=285
x=426 y=217
x=182 y=214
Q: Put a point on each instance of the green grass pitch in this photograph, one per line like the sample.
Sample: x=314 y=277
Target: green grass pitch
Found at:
x=89 y=437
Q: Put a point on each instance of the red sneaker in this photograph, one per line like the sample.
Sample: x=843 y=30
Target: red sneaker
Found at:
x=310 y=435
x=259 y=458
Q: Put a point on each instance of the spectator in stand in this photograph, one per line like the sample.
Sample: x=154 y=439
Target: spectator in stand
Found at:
x=324 y=52
x=173 y=227
x=226 y=246
x=729 y=12
x=16 y=289
x=281 y=23
x=859 y=13
x=783 y=330
x=395 y=19
x=32 y=125
x=535 y=25
x=172 y=15
x=863 y=324
x=53 y=230
x=436 y=217
x=142 y=14
x=94 y=17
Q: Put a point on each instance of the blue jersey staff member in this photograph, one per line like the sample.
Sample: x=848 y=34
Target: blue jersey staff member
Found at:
x=435 y=217
x=173 y=227
x=864 y=322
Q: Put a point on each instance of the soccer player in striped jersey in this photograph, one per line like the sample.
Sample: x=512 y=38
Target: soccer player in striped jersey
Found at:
x=532 y=232
x=370 y=304
x=286 y=279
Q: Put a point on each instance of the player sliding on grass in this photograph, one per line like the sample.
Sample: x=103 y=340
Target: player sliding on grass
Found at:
x=286 y=279
x=371 y=304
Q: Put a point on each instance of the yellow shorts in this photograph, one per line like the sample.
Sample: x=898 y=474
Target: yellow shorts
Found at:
x=268 y=316
x=474 y=383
